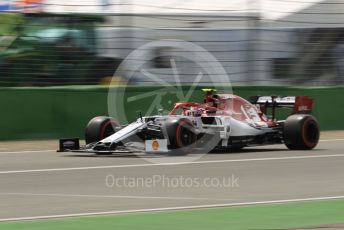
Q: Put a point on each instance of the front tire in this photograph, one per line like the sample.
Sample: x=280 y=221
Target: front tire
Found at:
x=301 y=132
x=99 y=128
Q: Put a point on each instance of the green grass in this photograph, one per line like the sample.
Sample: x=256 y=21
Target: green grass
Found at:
x=279 y=216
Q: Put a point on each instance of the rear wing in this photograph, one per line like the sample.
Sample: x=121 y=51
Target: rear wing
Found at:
x=299 y=104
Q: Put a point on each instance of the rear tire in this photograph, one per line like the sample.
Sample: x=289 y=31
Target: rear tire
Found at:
x=99 y=128
x=301 y=132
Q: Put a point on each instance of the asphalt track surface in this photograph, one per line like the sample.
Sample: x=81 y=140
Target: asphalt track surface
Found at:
x=47 y=184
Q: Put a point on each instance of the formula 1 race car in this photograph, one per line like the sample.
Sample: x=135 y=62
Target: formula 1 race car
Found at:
x=221 y=122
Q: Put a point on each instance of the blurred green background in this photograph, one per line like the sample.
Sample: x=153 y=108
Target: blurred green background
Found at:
x=56 y=67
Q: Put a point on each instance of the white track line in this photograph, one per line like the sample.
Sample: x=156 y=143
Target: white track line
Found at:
x=30 y=151
x=327 y=140
x=113 y=196
x=173 y=208
x=171 y=164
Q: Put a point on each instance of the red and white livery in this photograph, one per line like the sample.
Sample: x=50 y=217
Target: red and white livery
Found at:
x=221 y=122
